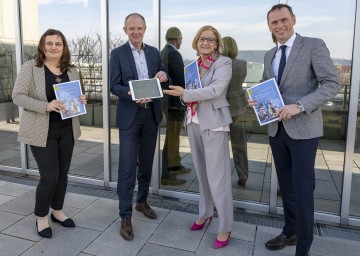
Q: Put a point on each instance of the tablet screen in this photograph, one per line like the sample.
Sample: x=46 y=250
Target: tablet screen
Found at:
x=147 y=88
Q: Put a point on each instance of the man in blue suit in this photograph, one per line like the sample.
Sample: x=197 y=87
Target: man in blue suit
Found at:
x=307 y=79
x=137 y=120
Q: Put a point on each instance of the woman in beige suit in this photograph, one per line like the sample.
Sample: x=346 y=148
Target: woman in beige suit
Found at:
x=208 y=120
x=51 y=139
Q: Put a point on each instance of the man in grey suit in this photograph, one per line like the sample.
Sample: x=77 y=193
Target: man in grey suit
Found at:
x=307 y=79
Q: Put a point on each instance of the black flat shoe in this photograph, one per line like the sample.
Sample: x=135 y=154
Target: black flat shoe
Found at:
x=68 y=223
x=46 y=232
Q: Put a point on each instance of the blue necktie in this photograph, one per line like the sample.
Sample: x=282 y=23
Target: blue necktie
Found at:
x=282 y=63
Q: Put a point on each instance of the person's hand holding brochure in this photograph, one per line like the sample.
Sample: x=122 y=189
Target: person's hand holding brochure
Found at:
x=69 y=94
x=268 y=99
x=192 y=77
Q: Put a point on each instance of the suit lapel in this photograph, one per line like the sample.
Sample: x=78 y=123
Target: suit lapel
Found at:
x=298 y=43
x=268 y=61
x=39 y=82
x=131 y=60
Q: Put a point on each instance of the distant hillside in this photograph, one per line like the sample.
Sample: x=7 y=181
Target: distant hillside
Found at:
x=341 y=62
x=252 y=56
x=257 y=56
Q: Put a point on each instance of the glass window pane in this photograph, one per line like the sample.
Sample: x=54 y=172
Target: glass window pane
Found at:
x=118 y=10
x=9 y=113
x=79 y=21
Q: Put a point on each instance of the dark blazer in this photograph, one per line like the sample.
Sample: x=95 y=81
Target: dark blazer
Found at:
x=309 y=78
x=174 y=65
x=236 y=94
x=123 y=70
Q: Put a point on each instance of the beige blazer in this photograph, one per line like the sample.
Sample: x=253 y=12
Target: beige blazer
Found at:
x=29 y=93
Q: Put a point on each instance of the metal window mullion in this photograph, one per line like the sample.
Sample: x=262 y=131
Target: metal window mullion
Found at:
x=19 y=61
x=352 y=121
x=105 y=93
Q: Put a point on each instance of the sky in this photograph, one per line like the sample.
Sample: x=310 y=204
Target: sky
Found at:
x=244 y=20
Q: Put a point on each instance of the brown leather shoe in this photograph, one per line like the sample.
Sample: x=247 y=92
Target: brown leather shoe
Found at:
x=126 y=230
x=180 y=169
x=280 y=242
x=146 y=210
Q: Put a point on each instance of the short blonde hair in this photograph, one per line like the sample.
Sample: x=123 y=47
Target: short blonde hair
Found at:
x=230 y=47
x=217 y=35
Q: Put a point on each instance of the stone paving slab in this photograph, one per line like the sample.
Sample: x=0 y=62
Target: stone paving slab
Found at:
x=7 y=219
x=13 y=246
x=326 y=246
x=2 y=183
x=23 y=204
x=78 y=200
x=4 y=199
x=14 y=189
x=99 y=215
x=110 y=242
x=65 y=241
x=174 y=232
x=158 y=250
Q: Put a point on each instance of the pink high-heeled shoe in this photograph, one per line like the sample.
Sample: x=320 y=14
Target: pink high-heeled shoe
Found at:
x=195 y=226
x=220 y=244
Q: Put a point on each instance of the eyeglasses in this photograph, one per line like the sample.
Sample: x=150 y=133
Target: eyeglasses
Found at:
x=50 y=44
x=210 y=40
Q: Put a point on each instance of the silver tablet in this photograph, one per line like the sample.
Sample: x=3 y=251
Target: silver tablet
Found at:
x=145 y=89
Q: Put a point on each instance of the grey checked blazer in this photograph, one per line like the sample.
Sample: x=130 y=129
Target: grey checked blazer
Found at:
x=309 y=78
x=213 y=110
x=29 y=93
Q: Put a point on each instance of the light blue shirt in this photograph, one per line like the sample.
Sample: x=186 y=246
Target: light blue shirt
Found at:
x=276 y=60
x=140 y=62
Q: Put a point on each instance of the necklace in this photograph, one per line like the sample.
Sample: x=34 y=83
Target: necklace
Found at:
x=57 y=79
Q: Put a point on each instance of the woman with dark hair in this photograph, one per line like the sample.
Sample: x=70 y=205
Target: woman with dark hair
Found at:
x=51 y=139
x=208 y=119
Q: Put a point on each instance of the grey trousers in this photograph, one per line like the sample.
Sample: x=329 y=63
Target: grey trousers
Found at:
x=211 y=158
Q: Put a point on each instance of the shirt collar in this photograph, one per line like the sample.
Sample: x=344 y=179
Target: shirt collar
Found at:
x=133 y=48
x=289 y=43
x=172 y=46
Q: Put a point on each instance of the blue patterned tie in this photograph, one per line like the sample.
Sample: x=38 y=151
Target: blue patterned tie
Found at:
x=282 y=63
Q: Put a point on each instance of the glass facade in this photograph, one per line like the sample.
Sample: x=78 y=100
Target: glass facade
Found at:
x=10 y=155
x=85 y=23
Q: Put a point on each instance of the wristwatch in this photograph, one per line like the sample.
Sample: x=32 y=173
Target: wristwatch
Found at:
x=301 y=107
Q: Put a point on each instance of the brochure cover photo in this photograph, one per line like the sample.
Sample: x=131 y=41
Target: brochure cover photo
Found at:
x=268 y=100
x=68 y=93
x=192 y=77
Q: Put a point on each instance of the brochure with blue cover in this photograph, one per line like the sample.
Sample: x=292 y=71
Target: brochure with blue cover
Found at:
x=68 y=93
x=269 y=100
x=192 y=77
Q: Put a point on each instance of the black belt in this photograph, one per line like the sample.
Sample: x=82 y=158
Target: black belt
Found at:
x=146 y=105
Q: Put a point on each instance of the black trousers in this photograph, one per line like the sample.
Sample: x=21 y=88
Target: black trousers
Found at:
x=294 y=162
x=53 y=162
